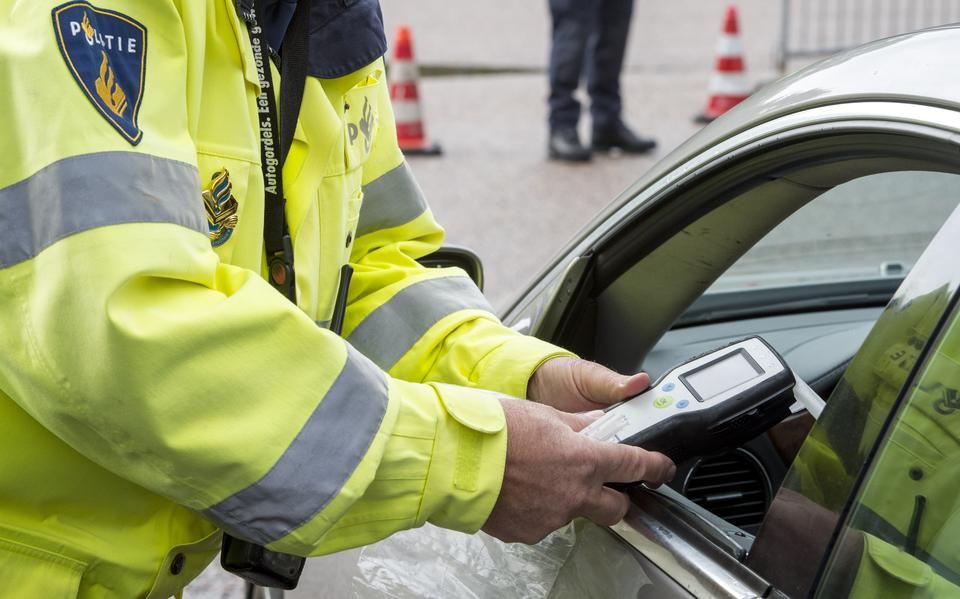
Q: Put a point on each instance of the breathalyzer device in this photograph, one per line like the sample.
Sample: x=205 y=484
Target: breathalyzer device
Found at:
x=708 y=405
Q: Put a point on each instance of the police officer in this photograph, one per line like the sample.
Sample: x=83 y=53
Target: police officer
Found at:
x=155 y=389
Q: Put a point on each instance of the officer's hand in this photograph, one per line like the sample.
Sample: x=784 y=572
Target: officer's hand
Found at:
x=575 y=385
x=553 y=474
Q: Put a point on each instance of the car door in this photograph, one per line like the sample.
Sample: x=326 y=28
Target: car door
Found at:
x=644 y=267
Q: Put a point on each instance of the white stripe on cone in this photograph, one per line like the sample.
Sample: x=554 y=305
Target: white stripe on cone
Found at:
x=403 y=71
x=406 y=111
x=729 y=46
x=729 y=84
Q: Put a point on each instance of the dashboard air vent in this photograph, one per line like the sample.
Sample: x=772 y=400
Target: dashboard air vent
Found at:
x=733 y=486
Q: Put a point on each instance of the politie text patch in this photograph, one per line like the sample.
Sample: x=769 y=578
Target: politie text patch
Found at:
x=106 y=51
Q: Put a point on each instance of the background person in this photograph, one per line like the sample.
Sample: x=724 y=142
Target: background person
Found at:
x=591 y=34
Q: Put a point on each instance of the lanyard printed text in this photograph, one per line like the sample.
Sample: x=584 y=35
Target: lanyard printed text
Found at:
x=271 y=161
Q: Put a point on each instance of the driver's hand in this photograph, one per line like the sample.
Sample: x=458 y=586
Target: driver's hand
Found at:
x=553 y=474
x=575 y=385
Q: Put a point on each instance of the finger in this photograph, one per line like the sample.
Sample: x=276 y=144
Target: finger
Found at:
x=635 y=385
x=606 y=507
x=625 y=464
x=601 y=385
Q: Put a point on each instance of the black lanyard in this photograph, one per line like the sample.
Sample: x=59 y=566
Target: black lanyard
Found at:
x=256 y=564
x=275 y=141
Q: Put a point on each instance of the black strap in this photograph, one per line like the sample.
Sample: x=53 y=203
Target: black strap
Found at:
x=256 y=564
x=294 y=63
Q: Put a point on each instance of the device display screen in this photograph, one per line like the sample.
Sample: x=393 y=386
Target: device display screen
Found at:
x=719 y=376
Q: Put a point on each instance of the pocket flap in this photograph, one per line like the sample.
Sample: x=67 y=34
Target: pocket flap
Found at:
x=897 y=563
x=34 y=572
x=475 y=409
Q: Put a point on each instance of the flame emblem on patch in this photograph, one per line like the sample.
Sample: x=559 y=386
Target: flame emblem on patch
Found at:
x=109 y=90
x=88 y=31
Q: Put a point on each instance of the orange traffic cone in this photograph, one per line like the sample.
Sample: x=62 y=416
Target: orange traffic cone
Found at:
x=728 y=86
x=406 y=99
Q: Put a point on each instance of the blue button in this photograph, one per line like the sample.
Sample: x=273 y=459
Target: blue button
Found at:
x=668 y=387
x=682 y=404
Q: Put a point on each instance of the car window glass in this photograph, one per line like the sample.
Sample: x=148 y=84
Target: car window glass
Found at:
x=821 y=482
x=902 y=537
x=868 y=227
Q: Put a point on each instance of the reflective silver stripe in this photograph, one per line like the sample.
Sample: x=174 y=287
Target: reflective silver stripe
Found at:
x=93 y=190
x=316 y=464
x=389 y=332
x=391 y=200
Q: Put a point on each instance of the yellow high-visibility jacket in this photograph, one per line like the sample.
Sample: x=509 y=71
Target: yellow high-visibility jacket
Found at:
x=154 y=388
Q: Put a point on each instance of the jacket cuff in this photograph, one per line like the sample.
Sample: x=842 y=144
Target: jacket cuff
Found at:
x=508 y=368
x=440 y=460
x=466 y=468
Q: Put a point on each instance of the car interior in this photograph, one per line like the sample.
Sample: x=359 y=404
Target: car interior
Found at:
x=650 y=295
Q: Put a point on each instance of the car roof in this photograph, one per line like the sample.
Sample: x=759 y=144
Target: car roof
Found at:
x=916 y=68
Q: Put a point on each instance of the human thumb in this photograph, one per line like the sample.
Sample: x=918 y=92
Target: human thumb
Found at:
x=602 y=385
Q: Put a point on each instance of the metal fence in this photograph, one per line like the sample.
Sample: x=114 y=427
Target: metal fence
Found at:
x=812 y=28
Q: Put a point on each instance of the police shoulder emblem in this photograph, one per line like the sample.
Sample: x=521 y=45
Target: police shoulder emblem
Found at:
x=221 y=208
x=106 y=53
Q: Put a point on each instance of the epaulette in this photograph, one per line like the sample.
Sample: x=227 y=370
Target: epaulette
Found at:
x=345 y=35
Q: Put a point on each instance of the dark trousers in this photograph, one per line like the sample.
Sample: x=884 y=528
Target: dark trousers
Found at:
x=591 y=34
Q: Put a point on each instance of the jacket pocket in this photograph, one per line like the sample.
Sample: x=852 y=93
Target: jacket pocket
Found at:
x=33 y=572
x=340 y=193
x=332 y=231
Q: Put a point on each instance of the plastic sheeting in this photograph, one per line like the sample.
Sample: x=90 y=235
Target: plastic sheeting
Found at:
x=431 y=562
x=581 y=560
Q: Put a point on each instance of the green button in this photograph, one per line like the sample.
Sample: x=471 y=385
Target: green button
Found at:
x=663 y=401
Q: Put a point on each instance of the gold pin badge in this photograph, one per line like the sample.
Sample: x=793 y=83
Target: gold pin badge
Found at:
x=221 y=208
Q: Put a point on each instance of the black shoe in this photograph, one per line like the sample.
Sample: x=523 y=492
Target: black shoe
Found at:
x=621 y=137
x=565 y=145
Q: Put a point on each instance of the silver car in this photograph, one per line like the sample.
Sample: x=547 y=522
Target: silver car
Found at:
x=819 y=214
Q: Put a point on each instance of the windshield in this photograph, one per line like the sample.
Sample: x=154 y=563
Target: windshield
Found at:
x=867 y=228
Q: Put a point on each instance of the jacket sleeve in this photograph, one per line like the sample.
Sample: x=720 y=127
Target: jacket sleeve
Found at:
x=128 y=338
x=417 y=323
